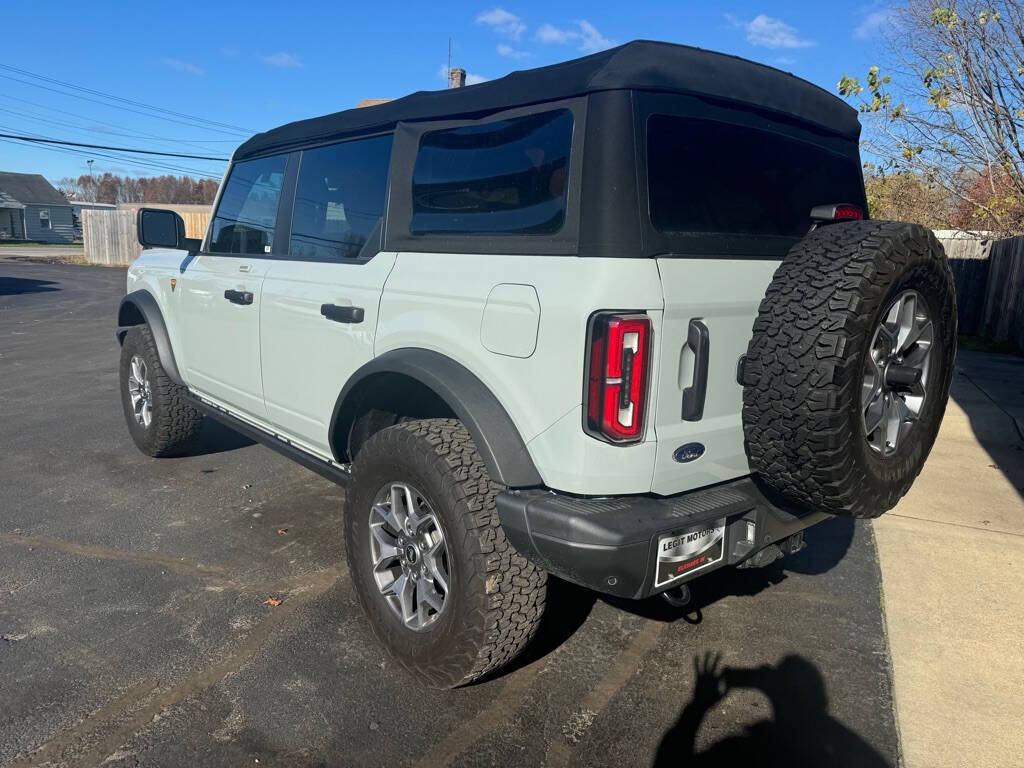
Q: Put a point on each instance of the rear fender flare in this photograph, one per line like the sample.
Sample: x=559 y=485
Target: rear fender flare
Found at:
x=497 y=439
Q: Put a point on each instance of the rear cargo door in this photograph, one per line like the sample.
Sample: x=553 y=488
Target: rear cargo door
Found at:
x=726 y=201
x=710 y=306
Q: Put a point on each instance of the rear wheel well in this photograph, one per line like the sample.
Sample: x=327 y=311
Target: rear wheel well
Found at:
x=378 y=402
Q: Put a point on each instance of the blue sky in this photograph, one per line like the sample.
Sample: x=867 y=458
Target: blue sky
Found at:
x=254 y=65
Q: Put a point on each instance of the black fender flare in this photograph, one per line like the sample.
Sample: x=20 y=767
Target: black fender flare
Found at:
x=488 y=423
x=143 y=303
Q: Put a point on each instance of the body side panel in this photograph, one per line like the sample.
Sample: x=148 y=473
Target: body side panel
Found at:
x=437 y=301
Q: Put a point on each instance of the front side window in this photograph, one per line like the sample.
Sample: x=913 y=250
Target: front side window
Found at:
x=44 y=219
x=340 y=200
x=711 y=176
x=247 y=213
x=508 y=177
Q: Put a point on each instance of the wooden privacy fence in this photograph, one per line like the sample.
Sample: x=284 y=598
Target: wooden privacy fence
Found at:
x=110 y=237
x=989 y=277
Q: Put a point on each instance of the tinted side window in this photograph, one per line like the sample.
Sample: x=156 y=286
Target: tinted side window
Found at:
x=245 y=218
x=505 y=177
x=340 y=199
x=710 y=176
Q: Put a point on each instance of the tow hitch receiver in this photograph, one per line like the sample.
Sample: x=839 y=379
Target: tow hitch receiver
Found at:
x=771 y=553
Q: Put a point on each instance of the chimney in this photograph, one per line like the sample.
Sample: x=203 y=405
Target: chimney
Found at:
x=456 y=77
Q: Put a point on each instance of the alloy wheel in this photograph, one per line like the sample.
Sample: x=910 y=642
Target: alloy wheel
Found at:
x=409 y=555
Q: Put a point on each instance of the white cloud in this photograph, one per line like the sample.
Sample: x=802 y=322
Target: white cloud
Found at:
x=283 y=60
x=582 y=33
x=769 y=32
x=590 y=39
x=506 y=50
x=548 y=33
x=184 y=66
x=873 y=24
x=502 y=22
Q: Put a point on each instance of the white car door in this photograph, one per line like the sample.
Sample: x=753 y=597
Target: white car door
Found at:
x=222 y=290
x=320 y=299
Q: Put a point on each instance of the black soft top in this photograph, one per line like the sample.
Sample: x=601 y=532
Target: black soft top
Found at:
x=640 y=65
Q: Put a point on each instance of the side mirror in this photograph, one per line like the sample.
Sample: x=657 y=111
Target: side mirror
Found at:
x=159 y=228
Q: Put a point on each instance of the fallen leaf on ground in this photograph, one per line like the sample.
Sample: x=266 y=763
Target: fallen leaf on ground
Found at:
x=272 y=601
x=282 y=531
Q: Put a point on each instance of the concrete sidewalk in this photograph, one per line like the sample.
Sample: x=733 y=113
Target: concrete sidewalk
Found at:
x=44 y=254
x=951 y=556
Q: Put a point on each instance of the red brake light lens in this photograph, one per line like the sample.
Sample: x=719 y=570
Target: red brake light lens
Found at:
x=619 y=347
x=848 y=213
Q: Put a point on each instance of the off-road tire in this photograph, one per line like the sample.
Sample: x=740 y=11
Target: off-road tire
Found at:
x=804 y=366
x=175 y=422
x=497 y=597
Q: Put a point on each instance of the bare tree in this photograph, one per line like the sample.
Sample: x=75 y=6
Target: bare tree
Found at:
x=951 y=105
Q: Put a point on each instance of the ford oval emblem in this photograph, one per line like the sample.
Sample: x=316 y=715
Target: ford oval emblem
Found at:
x=688 y=452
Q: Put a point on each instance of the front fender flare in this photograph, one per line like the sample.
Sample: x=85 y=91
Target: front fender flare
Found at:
x=501 y=446
x=143 y=303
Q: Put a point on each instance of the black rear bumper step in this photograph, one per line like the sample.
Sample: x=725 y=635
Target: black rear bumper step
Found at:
x=610 y=544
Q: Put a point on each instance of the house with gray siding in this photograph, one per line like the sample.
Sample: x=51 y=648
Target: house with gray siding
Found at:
x=31 y=209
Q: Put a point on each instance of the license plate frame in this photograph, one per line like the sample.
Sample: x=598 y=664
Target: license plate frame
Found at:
x=688 y=551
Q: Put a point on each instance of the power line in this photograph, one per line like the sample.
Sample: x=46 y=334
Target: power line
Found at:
x=118 y=129
x=138 y=162
x=141 y=165
x=127 y=109
x=123 y=100
x=40 y=140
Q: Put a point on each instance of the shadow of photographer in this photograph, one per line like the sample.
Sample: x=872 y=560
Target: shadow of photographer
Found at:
x=800 y=732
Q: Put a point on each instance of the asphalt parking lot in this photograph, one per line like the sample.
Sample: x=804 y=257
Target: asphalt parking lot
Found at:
x=133 y=629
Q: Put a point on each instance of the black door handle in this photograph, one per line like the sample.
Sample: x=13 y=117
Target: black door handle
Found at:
x=342 y=314
x=699 y=340
x=238 y=297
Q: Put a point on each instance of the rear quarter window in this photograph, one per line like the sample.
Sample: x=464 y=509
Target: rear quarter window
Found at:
x=508 y=177
x=715 y=177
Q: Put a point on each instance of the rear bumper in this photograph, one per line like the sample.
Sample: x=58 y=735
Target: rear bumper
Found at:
x=610 y=544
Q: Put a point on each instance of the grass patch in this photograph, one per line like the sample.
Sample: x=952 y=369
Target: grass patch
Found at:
x=982 y=344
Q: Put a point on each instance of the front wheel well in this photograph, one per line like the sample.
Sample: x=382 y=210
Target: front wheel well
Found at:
x=129 y=314
x=377 y=402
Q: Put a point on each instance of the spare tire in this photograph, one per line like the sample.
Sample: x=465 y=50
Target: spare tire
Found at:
x=846 y=377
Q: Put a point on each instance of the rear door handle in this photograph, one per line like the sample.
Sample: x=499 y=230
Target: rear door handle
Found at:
x=699 y=341
x=238 y=297
x=342 y=314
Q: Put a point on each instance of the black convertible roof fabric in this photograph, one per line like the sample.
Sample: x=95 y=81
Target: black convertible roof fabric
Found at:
x=640 y=65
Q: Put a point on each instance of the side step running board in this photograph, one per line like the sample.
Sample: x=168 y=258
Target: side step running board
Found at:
x=338 y=473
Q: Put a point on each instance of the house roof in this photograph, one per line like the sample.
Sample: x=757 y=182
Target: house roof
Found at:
x=6 y=201
x=639 y=65
x=29 y=188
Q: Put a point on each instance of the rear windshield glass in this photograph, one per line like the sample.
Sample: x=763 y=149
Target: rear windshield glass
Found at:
x=505 y=177
x=710 y=176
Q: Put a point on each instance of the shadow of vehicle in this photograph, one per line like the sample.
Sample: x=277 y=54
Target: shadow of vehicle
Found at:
x=214 y=437
x=569 y=605
x=566 y=609
x=15 y=286
x=800 y=731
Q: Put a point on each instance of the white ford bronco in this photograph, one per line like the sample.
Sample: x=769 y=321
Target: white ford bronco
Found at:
x=621 y=320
